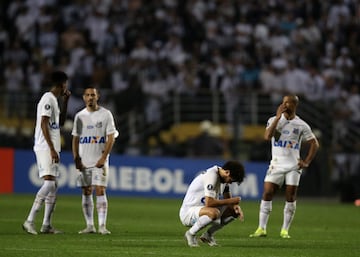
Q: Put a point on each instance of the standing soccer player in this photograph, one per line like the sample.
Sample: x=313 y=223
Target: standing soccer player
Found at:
x=94 y=134
x=286 y=132
x=47 y=147
x=202 y=204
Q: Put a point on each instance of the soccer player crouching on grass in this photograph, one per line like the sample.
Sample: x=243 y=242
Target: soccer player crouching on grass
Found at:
x=202 y=205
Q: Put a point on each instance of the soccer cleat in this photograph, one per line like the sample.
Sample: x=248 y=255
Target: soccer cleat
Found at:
x=259 y=233
x=48 y=229
x=284 y=234
x=209 y=239
x=103 y=230
x=191 y=239
x=29 y=227
x=88 y=230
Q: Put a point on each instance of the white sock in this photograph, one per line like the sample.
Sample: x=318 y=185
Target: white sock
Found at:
x=39 y=199
x=87 y=203
x=265 y=209
x=289 y=213
x=50 y=202
x=202 y=222
x=102 y=209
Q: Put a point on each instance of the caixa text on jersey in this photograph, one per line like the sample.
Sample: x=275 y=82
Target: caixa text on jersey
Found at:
x=286 y=144
x=92 y=140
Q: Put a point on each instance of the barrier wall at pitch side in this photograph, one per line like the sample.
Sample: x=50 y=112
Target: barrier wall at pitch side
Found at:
x=129 y=176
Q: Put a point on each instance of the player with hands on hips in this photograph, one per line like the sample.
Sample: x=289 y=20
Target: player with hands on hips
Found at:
x=286 y=131
x=94 y=134
x=202 y=205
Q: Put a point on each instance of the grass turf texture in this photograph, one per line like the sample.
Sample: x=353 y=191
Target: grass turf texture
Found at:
x=150 y=227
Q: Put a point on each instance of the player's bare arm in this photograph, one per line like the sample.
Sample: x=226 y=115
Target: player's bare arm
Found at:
x=45 y=130
x=212 y=202
x=77 y=159
x=65 y=96
x=236 y=207
x=314 y=146
x=108 y=146
x=270 y=131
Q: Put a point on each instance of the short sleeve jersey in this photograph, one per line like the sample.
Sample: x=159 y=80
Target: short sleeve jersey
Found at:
x=205 y=184
x=286 y=143
x=92 y=128
x=47 y=106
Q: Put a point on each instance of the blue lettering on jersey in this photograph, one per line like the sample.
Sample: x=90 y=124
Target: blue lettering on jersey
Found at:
x=287 y=144
x=53 y=125
x=202 y=200
x=92 y=140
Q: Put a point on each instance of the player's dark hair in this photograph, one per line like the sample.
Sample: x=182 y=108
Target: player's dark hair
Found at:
x=92 y=87
x=237 y=171
x=58 y=78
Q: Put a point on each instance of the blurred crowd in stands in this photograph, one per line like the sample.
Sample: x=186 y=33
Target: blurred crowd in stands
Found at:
x=141 y=51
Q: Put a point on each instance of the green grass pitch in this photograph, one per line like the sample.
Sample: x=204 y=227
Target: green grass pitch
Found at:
x=151 y=227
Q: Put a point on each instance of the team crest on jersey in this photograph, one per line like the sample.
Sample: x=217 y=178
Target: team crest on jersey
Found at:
x=47 y=106
x=210 y=187
x=296 y=131
x=98 y=124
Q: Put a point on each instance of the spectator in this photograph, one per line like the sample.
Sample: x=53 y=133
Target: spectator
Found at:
x=206 y=145
x=14 y=84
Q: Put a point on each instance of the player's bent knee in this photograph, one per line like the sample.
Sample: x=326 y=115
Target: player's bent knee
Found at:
x=212 y=213
x=215 y=214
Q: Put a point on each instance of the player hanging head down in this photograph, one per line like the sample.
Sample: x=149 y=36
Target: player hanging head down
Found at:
x=94 y=134
x=49 y=117
x=286 y=131
x=202 y=204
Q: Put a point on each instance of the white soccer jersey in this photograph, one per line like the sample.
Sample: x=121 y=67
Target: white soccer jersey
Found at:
x=205 y=184
x=92 y=128
x=47 y=106
x=286 y=143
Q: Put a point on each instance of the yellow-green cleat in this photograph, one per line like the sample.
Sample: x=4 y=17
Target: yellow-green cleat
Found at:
x=259 y=233
x=284 y=234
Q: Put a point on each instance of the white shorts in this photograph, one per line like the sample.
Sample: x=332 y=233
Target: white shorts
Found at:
x=93 y=177
x=188 y=216
x=45 y=164
x=290 y=177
